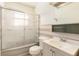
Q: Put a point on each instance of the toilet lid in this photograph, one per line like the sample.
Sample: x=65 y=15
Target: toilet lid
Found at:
x=35 y=50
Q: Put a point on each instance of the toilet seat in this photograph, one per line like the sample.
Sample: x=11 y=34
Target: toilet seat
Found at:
x=35 y=50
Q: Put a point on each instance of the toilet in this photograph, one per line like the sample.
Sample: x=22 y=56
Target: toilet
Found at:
x=35 y=50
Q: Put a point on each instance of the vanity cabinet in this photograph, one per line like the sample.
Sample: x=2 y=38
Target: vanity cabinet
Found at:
x=46 y=50
x=52 y=51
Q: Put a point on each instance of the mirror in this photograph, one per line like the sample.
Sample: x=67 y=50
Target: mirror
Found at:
x=66 y=28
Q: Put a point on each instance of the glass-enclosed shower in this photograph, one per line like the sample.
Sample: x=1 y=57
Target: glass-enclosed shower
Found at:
x=18 y=32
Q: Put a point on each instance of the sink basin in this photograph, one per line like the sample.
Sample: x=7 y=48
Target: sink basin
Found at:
x=55 y=43
x=60 y=44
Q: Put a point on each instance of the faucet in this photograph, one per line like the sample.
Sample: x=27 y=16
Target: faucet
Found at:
x=61 y=39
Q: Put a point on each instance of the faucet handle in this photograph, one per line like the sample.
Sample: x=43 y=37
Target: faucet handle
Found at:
x=63 y=40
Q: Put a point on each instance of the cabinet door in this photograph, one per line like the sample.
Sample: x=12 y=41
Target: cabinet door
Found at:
x=60 y=53
x=52 y=51
x=46 y=50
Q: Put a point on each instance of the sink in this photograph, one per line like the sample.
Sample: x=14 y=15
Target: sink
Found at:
x=60 y=44
x=55 y=43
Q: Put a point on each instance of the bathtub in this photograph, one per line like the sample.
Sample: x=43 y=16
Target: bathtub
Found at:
x=18 y=51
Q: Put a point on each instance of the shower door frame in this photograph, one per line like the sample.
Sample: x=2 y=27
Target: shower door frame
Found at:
x=38 y=28
x=2 y=28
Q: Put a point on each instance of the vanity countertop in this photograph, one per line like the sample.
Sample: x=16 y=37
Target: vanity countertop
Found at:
x=63 y=46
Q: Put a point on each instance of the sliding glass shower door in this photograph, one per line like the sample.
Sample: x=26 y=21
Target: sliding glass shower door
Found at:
x=12 y=29
x=18 y=30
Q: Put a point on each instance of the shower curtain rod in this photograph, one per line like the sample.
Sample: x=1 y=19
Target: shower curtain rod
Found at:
x=11 y=9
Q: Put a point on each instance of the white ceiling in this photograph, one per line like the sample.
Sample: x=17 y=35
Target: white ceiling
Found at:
x=32 y=4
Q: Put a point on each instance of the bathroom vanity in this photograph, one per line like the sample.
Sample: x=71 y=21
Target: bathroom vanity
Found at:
x=57 y=48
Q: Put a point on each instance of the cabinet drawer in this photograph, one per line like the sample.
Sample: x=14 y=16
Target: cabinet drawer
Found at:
x=52 y=51
x=58 y=52
x=47 y=50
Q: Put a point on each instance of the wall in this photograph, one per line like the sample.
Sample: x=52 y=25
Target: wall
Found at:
x=68 y=13
x=19 y=7
x=47 y=13
x=44 y=29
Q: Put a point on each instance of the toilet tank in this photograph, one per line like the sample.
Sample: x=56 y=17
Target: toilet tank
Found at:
x=41 y=39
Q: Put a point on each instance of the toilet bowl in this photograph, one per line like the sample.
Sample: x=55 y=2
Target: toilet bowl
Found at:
x=35 y=50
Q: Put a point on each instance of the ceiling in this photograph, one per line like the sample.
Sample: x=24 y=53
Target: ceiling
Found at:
x=34 y=4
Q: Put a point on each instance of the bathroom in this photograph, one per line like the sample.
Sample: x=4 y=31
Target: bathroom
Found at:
x=39 y=29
